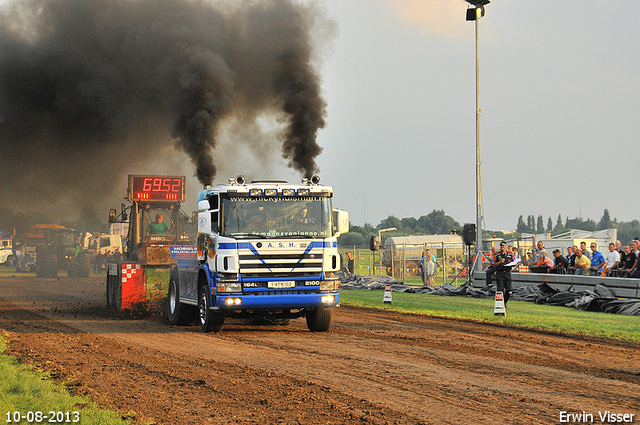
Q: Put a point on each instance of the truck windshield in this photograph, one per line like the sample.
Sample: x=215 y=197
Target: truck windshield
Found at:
x=277 y=217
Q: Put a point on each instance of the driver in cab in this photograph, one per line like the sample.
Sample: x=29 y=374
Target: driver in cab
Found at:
x=158 y=227
x=304 y=218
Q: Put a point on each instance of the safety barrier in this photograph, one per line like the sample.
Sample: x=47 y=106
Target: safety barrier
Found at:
x=621 y=287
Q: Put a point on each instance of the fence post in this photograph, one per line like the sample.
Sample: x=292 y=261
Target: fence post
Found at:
x=392 y=249
x=404 y=262
x=444 y=263
x=354 y=260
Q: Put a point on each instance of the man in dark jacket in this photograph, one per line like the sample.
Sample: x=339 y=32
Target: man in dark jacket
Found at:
x=503 y=271
x=560 y=263
x=629 y=261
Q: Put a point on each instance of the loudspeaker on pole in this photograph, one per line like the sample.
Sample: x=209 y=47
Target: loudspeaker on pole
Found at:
x=469 y=233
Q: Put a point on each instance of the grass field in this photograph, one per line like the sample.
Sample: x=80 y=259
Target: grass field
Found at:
x=519 y=313
x=24 y=391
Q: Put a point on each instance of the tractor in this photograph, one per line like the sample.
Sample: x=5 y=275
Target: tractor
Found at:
x=61 y=250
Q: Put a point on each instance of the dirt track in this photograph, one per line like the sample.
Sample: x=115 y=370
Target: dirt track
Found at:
x=372 y=367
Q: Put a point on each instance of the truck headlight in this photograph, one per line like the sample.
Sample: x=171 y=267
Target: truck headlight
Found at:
x=229 y=287
x=328 y=299
x=233 y=301
x=328 y=285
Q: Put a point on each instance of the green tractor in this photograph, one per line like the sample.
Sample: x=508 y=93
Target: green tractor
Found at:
x=61 y=250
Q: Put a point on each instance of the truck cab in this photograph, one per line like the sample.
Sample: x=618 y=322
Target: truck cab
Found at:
x=103 y=244
x=265 y=250
x=6 y=250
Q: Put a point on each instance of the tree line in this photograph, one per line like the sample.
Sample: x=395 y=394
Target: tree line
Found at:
x=434 y=223
x=438 y=223
x=627 y=231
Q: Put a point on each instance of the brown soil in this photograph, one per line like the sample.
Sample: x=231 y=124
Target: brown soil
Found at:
x=376 y=367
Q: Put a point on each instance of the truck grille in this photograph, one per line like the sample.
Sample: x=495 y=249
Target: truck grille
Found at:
x=280 y=265
x=303 y=291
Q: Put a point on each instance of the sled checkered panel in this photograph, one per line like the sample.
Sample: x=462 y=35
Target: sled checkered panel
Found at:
x=129 y=271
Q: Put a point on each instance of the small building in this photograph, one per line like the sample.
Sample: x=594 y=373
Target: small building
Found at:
x=401 y=254
x=566 y=239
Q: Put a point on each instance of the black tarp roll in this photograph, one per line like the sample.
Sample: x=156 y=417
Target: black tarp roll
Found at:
x=600 y=299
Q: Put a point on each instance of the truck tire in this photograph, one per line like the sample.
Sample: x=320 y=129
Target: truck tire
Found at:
x=72 y=269
x=177 y=313
x=209 y=321
x=319 y=319
x=82 y=265
x=49 y=265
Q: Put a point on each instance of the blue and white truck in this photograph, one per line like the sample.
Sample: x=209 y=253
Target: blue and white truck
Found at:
x=266 y=250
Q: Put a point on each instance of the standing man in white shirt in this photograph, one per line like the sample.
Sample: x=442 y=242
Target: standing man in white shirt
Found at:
x=613 y=259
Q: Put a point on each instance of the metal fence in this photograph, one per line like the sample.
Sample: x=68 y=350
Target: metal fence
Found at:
x=403 y=262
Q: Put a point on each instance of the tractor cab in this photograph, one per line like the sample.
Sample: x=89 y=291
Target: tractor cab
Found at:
x=60 y=250
x=155 y=219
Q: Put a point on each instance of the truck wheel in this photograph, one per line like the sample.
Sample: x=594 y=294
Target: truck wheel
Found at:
x=209 y=321
x=82 y=265
x=50 y=265
x=72 y=269
x=177 y=313
x=319 y=319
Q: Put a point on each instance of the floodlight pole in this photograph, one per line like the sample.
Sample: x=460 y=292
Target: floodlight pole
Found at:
x=474 y=14
x=478 y=174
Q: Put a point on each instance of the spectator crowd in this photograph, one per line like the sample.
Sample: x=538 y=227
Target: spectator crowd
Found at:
x=619 y=261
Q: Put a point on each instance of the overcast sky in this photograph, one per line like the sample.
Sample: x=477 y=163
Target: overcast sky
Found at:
x=559 y=94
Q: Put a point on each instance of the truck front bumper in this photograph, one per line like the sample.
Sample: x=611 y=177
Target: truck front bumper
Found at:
x=279 y=301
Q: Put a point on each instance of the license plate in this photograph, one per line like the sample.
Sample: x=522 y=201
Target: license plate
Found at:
x=281 y=284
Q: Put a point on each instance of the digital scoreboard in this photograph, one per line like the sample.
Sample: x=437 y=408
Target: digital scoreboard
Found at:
x=156 y=188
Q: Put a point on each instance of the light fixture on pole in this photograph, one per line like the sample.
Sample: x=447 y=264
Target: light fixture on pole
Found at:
x=474 y=14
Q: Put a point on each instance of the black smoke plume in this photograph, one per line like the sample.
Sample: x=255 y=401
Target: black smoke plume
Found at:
x=91 y=90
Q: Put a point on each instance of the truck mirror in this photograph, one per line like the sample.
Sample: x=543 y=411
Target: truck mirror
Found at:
x=112 y=215
x=194 y=217
x=342 y=221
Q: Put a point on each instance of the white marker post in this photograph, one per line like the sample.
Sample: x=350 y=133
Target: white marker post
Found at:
x=498 y=308
x=387 y=295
